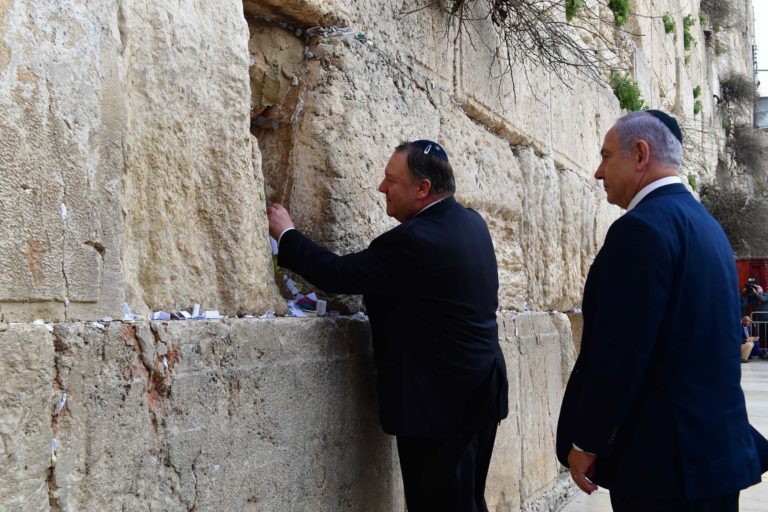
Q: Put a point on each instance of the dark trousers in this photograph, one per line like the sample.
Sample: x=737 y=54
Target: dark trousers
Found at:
x=442 y=475
x=728 y=503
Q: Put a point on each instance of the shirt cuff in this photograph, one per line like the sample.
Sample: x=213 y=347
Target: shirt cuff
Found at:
x=281 y=235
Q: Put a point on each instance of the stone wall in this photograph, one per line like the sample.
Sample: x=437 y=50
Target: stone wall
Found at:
x=262 y=414
x=138 y=146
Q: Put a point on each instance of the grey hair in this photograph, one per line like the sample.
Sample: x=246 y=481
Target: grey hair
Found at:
x=665 y=148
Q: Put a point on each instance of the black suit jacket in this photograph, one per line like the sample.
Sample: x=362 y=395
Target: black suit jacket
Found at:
x=655 y=391
x=430 y=287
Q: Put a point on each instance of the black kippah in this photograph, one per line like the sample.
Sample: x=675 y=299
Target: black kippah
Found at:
x=431 y=148
x=669 y=122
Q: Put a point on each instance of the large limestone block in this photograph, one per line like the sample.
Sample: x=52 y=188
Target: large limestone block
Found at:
x=536 y=346
x=489 y=179
x=61 y=123
x=565 y=221
x=194 y=208
x=129 y=172
x=27 y=375
x=528 y=105
x=243 y=415
x=421 y=36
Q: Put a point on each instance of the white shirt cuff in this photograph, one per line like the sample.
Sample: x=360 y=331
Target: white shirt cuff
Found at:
x=281 y=235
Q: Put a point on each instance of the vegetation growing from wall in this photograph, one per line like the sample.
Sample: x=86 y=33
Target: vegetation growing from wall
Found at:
x=737 y=92
x=721 y=13
x=572 y=7
x=750 y=149
x=533 y=33
x=698 y=106
x=697 y=91
x=627 y=91
x=741 y=218
x=669 y=23
x=620 y=10
x=688 y=40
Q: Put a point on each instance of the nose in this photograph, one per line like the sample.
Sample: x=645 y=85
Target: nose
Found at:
x=382 y=187
x=599 y=172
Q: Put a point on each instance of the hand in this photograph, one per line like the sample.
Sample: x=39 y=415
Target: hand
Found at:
x=279 y=220
x=582 y=466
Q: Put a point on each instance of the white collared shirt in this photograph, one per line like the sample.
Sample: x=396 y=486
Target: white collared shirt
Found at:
x=669 y=180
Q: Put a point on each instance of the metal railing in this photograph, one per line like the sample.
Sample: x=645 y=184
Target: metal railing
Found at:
x=759 y=327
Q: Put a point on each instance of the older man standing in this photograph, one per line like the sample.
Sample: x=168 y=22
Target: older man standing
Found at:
x=430 y=286
x=661 y=425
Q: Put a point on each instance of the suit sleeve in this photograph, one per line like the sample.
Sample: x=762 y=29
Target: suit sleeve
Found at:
x=386 y=266
x=633 y=286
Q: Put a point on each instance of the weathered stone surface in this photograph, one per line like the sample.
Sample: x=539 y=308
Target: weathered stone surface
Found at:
x=130 y=171
x=524 y=466
x=194 y=213
x=261 y=414
x=27 y=372
x=61 y=120
x=546 y=223
x=247 y=415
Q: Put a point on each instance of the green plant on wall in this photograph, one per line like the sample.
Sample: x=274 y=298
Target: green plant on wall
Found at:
x=692 y=181
x=688 y=22
x=697 y=91
x=572 y=7
x=620 y=10
x=669 y=23
x=702 y=19
x=627 y=91
x=687 y=59
x=697 y=107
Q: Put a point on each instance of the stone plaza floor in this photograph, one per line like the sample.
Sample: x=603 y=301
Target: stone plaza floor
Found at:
x=754 y=381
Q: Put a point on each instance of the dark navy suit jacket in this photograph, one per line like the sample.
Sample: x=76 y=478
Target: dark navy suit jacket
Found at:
x=655 y=391
x=430 y=287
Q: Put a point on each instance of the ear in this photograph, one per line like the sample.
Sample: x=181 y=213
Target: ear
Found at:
x=425 y=188
x=642 y=153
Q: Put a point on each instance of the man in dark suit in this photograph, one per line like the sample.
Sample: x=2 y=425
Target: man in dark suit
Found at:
x=654 y=409
x=430 y=287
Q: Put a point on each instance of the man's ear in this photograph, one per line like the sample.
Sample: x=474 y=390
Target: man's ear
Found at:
x=425 y=187
x=642 y=154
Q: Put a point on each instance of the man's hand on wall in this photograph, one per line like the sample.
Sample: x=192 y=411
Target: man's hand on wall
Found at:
x=279 y=220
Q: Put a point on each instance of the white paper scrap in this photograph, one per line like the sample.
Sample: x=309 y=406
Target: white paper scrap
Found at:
x=63 y=211
x=273 y=243
x=49 y=327
x=161 y=315
x=186 y=315
x=61 y=404
x=165 y=362
x=312 y=296
x=98 y=326
x=106 y=319
x=38 y=322
x=320 y=307
x=295 y=310
x=211 y=315
x=54 y=445
x=196 y=310
x=291 y=285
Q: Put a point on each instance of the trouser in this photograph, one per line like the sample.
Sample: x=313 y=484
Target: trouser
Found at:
x=746 y=349
x=442 y=475
x=757 y=351
x=728 y=503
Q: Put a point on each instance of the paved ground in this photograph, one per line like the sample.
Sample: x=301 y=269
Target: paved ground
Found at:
x=754 y=380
